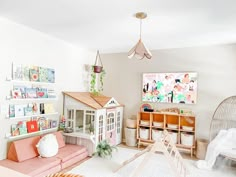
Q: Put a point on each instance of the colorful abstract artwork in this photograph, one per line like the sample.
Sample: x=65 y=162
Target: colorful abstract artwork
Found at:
x=170 y=87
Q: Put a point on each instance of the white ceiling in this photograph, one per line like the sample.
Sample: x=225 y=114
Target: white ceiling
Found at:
x=109 y=25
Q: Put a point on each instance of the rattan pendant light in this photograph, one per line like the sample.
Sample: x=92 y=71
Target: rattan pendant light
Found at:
x=140 y=51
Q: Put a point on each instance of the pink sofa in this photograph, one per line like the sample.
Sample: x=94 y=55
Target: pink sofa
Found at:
x=24 y=158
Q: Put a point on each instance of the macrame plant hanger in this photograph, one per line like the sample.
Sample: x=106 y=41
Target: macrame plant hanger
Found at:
x=97 y=68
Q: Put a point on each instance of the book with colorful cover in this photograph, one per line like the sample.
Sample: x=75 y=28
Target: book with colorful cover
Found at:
x=17 y=71
x=43 y=74
x=43 y=123
x=34 y=73
x=51 y=75
x=14 y=130
x=18 y=92
x=42 y=93
x=11 y=110
x=31 y=92
x=25 y=72
x=22 y=127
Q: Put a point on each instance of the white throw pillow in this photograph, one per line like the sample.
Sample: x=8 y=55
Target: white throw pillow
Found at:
x=47 y=146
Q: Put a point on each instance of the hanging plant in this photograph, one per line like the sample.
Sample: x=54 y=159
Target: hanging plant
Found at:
x=93 y=81
x=101 y=78
x=98 y=68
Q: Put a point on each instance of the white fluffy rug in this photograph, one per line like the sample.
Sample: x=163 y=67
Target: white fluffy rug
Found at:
x=157 y=166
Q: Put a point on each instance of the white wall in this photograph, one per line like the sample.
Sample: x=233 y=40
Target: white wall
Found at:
x=23 y=45
x=215 y=65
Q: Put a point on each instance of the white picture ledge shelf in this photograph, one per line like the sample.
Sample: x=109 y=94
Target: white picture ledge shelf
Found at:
x=29 y=82
x=34 y=115
x=31 y=99
x=33 y=133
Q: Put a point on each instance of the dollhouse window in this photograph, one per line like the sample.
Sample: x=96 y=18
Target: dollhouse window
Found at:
x=70 y=121
x=89 y=121
x=79 y=120
x=100 y=128
x=118 y=122
x=110 y=121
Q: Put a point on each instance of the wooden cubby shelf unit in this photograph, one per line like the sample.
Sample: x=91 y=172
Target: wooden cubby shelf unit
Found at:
x=150 y=126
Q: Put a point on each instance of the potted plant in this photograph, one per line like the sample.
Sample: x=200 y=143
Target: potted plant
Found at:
x=104 y=149
x=96 y=67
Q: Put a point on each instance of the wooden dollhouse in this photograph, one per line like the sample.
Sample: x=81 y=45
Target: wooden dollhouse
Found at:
x=92 y=118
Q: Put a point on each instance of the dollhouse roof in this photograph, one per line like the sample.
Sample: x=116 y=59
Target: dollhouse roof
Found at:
x=93 y=101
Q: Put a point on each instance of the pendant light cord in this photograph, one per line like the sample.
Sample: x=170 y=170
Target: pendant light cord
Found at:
x=140 y=28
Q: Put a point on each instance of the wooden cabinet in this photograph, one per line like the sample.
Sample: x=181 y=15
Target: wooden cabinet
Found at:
x=181 y=128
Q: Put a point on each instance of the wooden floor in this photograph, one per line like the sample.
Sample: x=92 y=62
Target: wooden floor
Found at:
x=184 y=155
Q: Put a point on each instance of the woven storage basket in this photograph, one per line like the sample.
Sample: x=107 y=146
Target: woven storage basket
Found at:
x=201 y=148
x=131 y=136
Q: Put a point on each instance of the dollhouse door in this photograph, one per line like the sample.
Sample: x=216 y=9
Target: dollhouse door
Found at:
x=110 y=126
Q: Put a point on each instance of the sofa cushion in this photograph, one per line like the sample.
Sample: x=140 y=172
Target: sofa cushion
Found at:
x=69 y=151
x=32 y=167
x=47 y=146
x=23 y=149
x=78 y=158
x=60 y=139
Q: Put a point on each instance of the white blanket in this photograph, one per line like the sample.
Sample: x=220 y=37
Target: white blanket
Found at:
x=223 y=143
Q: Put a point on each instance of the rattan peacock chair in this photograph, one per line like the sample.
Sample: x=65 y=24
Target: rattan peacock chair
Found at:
x=224 y=117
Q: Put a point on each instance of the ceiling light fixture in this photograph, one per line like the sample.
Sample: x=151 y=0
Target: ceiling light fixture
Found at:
x=140 y=51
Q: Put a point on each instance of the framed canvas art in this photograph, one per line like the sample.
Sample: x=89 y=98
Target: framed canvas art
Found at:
x=170 y=87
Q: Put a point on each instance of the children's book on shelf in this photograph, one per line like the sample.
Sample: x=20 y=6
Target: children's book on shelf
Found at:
x=41 y=108
x=25 y=72
x=48 y=108
x=11 y=110
x=34 y=73
x=17 y=71
x=51 y=75
x=14 y=130
x=19 y=110
x=18 y=92
x=28 y=110
x=31 y=92
x=22 y=127
x=35 y=108
x=51 y=93
x=42 y=92
x=53 y=123
x=43 y=74
x=43 y=123
x=32 y=126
